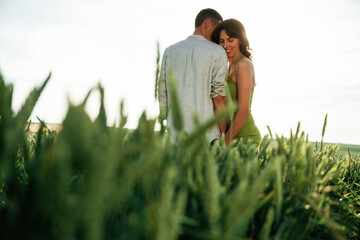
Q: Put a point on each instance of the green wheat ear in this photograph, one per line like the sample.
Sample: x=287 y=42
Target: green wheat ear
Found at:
x=123 y=117
x=174 y=103
x=30 y=102
x=297 y=130
x=349 y=154
x=323 y=132
x=101 y=119
x=325 y=122
x=157 y=72
x=269 y=131
x=6 y=92
x=12 y=128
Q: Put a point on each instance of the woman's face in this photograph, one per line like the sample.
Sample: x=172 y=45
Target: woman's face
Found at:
x=231 y=45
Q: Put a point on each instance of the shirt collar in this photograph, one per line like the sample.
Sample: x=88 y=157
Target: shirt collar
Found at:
x=197 y=37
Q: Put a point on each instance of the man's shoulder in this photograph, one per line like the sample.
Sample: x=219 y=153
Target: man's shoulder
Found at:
x=216 y=50
x=191 y=43
x=175 y=45
x=216 y=47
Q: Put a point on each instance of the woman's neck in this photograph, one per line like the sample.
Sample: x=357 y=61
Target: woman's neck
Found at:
x=234 y=59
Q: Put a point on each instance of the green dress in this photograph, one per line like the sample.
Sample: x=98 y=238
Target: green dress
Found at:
x=249 y=131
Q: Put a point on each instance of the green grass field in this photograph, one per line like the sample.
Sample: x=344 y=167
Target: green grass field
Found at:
x=344 y=148
x=92 y=182
x=354 y=149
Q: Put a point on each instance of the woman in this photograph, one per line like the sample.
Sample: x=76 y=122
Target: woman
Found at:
x=231 y=35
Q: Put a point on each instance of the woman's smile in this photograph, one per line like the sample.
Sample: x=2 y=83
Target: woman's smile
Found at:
x=231 y=45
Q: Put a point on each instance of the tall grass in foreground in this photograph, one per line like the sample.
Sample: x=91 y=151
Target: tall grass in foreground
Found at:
x=94 y=182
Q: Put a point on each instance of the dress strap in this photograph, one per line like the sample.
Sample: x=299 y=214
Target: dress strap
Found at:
x=237 y=57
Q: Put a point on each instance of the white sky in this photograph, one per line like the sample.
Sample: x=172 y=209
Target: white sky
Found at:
x=306 y=57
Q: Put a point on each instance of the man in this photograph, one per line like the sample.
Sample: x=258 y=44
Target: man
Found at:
x=199 y=67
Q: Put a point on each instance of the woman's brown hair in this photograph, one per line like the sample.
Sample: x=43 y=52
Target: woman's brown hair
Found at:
x=233 y=29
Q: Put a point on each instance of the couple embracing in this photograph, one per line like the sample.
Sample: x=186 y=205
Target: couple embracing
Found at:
x=217 y=54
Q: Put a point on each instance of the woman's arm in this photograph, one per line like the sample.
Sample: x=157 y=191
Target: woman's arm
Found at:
x=243 y=77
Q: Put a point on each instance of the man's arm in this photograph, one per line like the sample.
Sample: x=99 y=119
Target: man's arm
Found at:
x=219 y=105
x=218 y=95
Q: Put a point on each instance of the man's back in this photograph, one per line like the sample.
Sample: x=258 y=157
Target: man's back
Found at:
x=199 y=67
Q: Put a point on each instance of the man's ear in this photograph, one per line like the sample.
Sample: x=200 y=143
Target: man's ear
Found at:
x=207 y=23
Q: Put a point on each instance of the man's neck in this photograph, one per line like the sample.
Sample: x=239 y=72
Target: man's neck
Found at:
x=198 y=31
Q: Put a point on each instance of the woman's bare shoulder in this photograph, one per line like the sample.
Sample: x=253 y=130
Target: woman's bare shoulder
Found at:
x=244 y=62
x=244 y=66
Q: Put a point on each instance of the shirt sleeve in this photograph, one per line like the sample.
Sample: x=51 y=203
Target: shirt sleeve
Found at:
x=219 y=75
x=163 y=98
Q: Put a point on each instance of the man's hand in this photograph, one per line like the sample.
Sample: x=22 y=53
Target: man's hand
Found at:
x=219 y=105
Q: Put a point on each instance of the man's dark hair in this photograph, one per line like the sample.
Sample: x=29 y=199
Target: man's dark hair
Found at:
x=206 y=14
